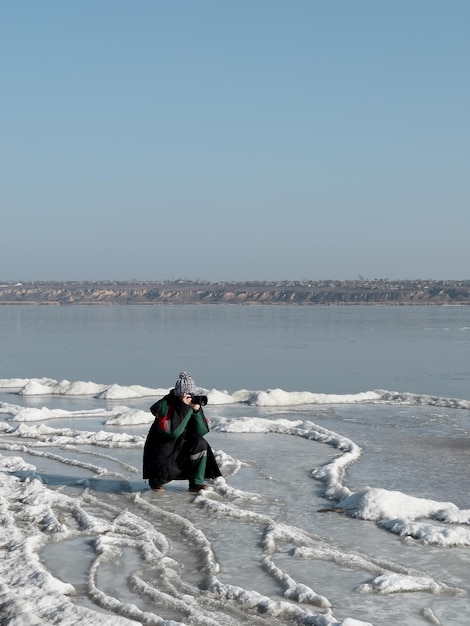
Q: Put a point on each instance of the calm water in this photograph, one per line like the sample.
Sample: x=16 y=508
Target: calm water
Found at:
x=322 y=349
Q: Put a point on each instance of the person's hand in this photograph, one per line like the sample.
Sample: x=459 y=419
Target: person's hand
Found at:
x=186 y=398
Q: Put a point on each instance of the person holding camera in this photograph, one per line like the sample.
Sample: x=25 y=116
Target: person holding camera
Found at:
x=175 y=448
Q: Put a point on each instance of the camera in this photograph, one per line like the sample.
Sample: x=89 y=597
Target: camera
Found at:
x=202 y=400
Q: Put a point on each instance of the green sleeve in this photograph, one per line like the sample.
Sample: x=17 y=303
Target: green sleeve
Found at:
x=182 y=426
x=198 y=425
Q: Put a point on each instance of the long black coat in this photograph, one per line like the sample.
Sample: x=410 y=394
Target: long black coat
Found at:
x=174 y=436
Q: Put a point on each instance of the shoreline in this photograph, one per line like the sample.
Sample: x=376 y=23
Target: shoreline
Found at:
x=306 y=293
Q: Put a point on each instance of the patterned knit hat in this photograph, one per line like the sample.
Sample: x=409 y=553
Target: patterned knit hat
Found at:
x=185 y=384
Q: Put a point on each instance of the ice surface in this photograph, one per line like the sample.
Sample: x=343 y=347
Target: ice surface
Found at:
x=282 y=538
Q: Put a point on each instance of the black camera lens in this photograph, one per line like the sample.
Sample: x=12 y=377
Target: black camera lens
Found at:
x=202 y=400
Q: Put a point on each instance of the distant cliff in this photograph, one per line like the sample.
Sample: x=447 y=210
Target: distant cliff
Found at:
x=416 y=292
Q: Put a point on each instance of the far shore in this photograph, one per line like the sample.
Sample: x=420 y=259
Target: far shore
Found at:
x=325 y=292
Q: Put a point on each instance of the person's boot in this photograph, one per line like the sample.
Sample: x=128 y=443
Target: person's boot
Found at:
x=195 y=488
x=155 y=485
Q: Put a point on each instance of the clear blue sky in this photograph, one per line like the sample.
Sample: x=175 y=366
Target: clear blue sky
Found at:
x=250 y=139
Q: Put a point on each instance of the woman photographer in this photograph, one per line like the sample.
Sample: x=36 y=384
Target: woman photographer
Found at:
x=175 y=448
